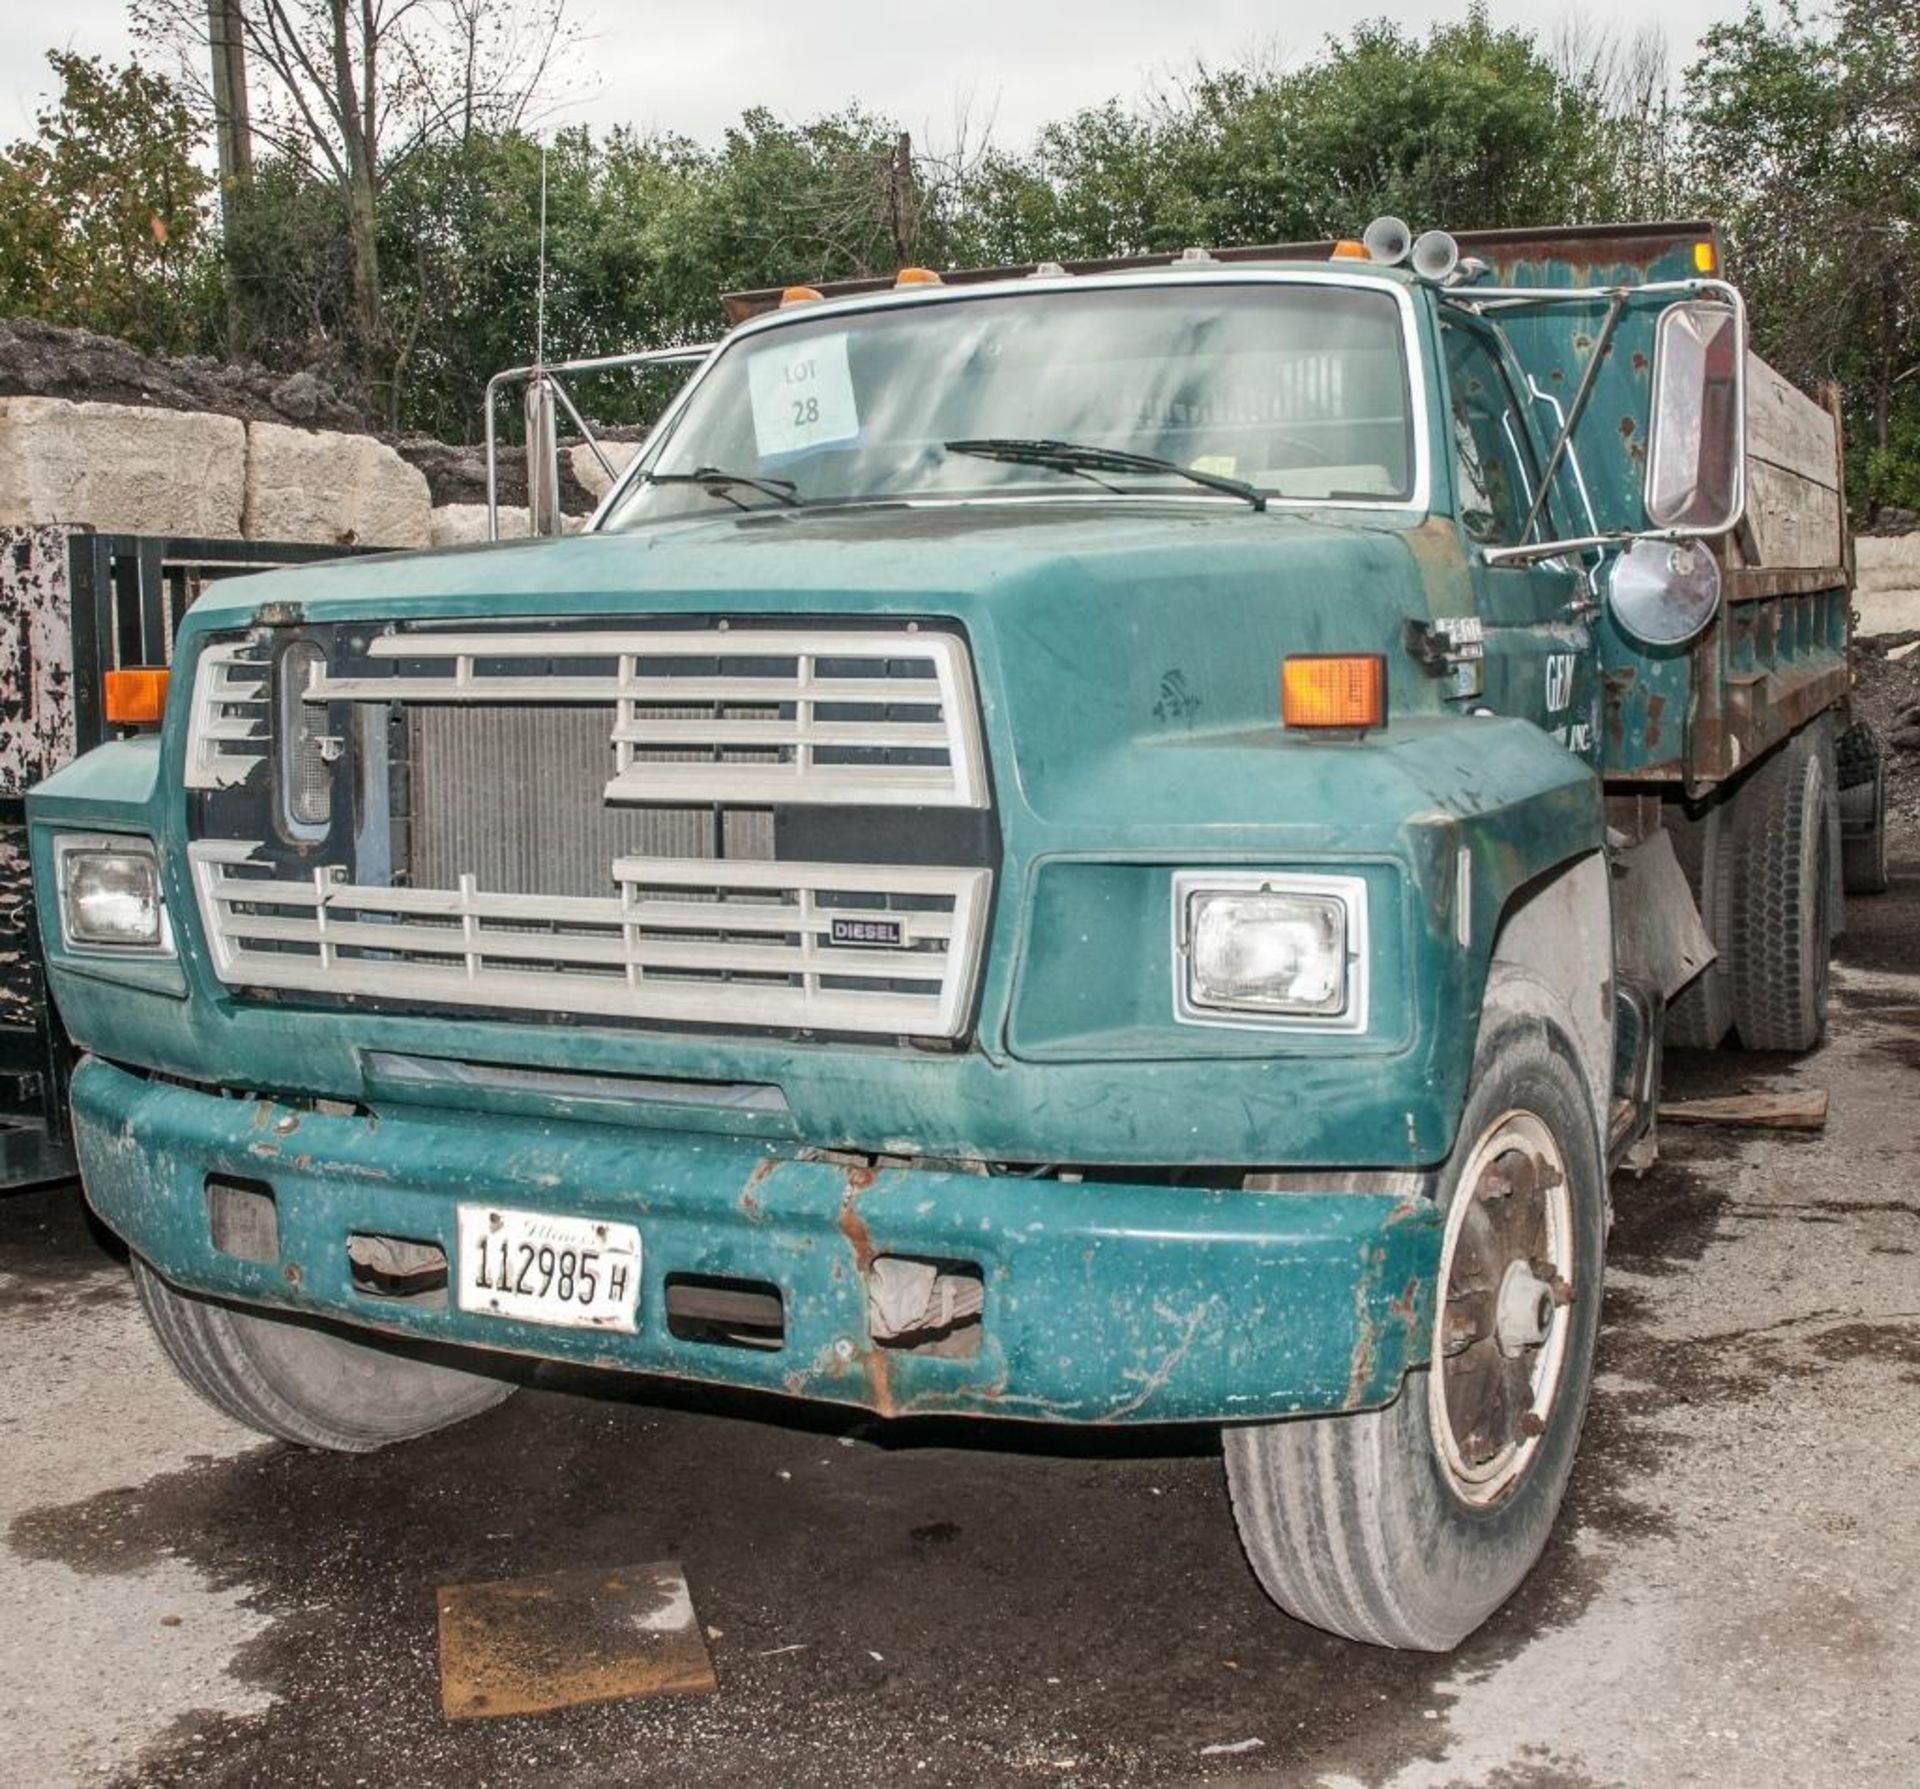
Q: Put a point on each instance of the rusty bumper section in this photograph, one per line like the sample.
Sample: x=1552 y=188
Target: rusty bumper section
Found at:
x=1099 y=1302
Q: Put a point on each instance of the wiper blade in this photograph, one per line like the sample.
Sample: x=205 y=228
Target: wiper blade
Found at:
x=782 y=490
x=1075 y=456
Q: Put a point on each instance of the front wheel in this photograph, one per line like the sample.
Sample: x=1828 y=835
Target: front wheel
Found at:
x=1409 y=1526
x=306 y=1382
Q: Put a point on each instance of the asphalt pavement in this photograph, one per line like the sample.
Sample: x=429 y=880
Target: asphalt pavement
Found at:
x=1733 y=1595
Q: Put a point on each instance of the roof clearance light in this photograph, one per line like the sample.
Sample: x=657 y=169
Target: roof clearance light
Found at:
x=799 y=295
x=917 y=276
x=1705 y=258
x=1347 y=249
x=1327 y=689
x=136 y=698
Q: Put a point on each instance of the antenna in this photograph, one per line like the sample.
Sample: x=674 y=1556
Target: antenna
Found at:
x=543 y=440
x=540 y=298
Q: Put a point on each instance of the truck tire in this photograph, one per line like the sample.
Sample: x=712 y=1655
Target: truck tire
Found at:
x=1393 y=1526
x=1701 y=1014
x=1785 y=874
x=310 y=1383
x=1862 y=767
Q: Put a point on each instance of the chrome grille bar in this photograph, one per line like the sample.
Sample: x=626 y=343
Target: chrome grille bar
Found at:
x=230 y=731
x=712 y=943
x=807 y=735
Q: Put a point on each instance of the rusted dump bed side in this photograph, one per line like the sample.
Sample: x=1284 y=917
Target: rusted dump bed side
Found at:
x=1777 y=656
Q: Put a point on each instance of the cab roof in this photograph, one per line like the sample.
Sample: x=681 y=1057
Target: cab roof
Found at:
x=1592 y=254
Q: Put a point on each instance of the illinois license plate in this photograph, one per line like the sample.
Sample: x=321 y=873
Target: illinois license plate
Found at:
x=577 y=1273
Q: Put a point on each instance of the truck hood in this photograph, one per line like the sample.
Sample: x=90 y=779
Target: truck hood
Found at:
x=1096 y=628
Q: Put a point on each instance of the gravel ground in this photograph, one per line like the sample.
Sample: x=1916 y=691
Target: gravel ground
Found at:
x=1886 y=689
x=1732 y=1597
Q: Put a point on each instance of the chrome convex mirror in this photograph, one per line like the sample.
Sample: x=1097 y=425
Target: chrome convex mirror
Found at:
x=1663 y=592
x=1697 y=446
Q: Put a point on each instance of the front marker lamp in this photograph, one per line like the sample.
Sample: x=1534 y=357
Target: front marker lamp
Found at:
x=1271 y=950
x=110 y=894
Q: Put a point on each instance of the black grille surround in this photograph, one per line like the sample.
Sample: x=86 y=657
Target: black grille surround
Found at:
x=510 y=837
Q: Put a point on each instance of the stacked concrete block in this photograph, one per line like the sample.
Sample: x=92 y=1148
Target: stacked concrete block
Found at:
x=342 y=490
x=1887 y=582
x=591 y=474
x=460 y=524
x=121 y=468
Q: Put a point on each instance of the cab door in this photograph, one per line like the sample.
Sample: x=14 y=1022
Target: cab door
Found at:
x=1539 y=660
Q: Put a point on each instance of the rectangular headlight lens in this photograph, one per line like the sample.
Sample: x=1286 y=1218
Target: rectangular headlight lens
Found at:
x=110 y=894
x=1272 y=948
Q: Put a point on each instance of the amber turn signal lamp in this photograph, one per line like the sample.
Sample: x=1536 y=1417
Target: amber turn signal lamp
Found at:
x=1327 y=689
x=1705 y=259
x=136 y=698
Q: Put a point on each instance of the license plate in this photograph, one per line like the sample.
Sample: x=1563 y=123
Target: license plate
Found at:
x=577 y=1273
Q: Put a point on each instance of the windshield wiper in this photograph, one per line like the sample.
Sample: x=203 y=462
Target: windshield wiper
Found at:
x=782 y=490
x=1073 y=456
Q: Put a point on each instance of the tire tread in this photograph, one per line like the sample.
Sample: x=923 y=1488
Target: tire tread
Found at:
x=1776 y=978
x=208 y=1344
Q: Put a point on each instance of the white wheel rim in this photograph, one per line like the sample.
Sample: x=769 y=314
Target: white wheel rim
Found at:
x=1490 y=1397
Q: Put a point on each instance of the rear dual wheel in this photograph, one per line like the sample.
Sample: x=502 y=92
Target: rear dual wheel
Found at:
x=1768 y=868
x=1784 y=895
x=1862 y=765
x=1409 y=1526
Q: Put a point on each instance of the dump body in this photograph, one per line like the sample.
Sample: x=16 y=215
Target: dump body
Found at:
x=798 y=885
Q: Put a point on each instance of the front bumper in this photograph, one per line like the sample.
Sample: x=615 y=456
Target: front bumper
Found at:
x=1104 y=1302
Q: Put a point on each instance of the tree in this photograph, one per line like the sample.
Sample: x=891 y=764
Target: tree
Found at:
x=1805 y=137
x=349 y=89
x=102 y=211
x=1469 y=128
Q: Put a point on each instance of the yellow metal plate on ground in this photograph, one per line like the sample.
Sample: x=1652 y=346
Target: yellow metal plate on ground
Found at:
x=530 y=1645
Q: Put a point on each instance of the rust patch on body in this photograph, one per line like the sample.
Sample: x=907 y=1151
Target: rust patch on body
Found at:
x=1441 y=562
x=749 y=1201
x=873 y=1362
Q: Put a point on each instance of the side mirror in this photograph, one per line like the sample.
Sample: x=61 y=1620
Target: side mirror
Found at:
x=1662 y=593
x=1696 y=451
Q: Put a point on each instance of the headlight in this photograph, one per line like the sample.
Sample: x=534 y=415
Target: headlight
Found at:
x=110 y=894
x=1273 y=950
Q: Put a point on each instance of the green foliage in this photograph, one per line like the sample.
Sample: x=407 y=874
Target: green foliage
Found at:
x=1806 y=139
x=643 y=236
x=1801 y=129
x=1470 y=128
x=102 y=210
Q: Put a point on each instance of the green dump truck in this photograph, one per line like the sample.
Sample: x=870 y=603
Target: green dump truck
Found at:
x=1092 y=844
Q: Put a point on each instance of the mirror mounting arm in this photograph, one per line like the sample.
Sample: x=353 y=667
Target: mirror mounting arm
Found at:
x=1533 y=550
x=1575 y=410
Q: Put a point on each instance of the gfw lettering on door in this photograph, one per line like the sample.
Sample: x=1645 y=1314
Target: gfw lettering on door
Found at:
x=1559 y=681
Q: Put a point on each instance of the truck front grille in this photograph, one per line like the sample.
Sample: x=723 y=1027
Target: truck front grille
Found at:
x=585 y=822
x=695 y=943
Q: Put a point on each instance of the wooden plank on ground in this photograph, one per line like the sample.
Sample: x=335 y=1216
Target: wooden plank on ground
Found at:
x=1801 y=1110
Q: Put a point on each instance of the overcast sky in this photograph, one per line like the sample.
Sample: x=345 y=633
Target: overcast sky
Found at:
x=668 y=65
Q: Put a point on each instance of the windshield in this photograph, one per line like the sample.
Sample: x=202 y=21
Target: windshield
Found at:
x=1297 y=390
